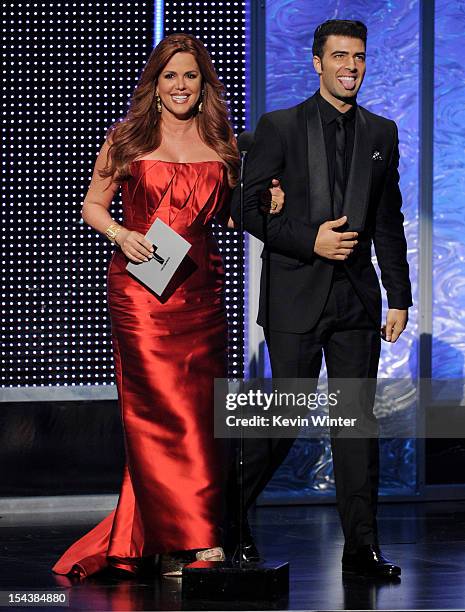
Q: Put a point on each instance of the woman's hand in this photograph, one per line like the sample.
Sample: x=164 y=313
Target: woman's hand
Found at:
x=272 y=201
x=134 y=245
x=273 y=198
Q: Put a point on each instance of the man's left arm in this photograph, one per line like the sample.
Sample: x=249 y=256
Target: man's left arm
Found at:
x=391 y=249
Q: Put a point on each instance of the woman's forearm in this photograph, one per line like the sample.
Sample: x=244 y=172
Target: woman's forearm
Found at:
x=97 y=216
x=96 y=206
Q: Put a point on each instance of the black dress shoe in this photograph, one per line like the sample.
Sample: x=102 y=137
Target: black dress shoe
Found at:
x=369 y=561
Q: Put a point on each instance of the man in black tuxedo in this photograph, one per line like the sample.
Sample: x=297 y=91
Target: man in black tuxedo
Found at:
x=319 y=293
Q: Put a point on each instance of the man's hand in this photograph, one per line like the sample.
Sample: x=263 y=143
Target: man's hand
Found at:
x=334 y=245
x=396 y=321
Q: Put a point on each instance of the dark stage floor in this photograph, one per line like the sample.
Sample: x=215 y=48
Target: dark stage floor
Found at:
x=427 y=539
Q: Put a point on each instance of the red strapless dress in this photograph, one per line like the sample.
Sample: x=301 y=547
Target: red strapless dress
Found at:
x=167 y=354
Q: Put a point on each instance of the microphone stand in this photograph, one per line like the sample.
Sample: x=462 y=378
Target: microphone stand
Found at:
x=240 y=451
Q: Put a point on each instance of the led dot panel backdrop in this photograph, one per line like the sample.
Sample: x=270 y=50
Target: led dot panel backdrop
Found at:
x=221 y=27
x=72 y=68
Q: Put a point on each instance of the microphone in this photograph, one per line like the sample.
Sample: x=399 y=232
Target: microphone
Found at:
x=245 y=142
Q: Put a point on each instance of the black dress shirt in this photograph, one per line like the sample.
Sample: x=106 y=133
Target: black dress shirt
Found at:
x=329 y=115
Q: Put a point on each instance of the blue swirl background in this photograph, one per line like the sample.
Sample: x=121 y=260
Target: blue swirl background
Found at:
x=448 y=193
x=390 y=89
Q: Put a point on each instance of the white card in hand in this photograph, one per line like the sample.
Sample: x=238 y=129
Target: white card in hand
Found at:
x=169 y=250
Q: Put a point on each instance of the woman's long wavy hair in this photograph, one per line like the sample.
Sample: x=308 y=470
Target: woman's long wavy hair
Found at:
x=139 y=131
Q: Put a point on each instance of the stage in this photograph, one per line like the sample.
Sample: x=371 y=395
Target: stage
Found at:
x=426 y=539
x=72 y=71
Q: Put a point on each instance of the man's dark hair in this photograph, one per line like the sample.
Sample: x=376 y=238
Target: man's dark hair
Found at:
x=337 y=27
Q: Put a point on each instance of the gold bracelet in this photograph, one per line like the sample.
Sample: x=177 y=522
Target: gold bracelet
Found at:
x=112 y=231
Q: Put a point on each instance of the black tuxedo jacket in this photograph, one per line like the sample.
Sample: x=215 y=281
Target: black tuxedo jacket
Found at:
x=295 y=281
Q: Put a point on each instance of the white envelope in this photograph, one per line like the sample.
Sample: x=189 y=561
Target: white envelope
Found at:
x=169 y=250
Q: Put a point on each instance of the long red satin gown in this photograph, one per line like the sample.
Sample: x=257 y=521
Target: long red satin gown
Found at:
x=167 y=354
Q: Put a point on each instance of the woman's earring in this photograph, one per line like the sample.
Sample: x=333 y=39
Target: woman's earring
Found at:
x=201 y=102
x=158 y=103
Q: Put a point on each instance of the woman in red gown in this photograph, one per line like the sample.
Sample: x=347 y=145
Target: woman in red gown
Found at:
x=175 y=157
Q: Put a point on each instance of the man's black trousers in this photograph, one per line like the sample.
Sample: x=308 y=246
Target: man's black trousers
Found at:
x=350 y=342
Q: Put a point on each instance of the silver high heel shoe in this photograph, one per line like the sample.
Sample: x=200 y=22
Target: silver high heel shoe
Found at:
x=211 y=554
x=172 y=564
